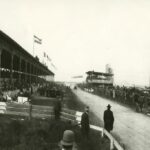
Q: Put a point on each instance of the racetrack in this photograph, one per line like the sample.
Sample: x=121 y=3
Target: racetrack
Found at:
x=130 y=128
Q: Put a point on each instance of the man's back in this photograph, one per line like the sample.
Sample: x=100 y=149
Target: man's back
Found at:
x=85 y=119
x=108 y=115
x=108 y=119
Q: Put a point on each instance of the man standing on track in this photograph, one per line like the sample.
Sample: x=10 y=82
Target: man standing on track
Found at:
x=108 y=119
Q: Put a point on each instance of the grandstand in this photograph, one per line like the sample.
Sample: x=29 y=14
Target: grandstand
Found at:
x=17 y=65
x=99 y=78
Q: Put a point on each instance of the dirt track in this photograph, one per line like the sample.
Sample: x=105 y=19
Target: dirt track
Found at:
x=130 y=128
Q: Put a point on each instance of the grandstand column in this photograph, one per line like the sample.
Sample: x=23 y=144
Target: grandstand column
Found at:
x=32 y=72
x=19 y=70
x=38 y=79
x=0 y=61
x=35 y=75
x=26 y=71
x=30 y=75
x=11 y=68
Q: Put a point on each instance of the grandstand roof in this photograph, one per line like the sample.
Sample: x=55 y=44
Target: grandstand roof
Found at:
x=14 y=43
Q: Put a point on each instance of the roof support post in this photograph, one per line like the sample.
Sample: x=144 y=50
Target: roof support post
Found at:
x=19 y=70
x=11 y=69
x=36 y=75
x=0 y=63
x=30 y=74
x=25 y=73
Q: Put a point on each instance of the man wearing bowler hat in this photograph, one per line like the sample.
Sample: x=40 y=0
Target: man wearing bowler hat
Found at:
x=68 y=141
x=108 y=119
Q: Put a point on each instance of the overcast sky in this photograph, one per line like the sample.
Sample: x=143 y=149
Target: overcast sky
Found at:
x=82 y=35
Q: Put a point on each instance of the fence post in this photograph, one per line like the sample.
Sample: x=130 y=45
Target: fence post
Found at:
x=102 y=133
x=111 y=144
x=30 y=111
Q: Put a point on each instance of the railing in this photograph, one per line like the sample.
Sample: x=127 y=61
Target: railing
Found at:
x=102 y=81
x=47 y=111
x=113 y=141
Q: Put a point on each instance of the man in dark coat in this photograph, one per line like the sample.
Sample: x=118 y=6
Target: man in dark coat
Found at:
x=57 y=109
x=108 y=119
x=85 y=127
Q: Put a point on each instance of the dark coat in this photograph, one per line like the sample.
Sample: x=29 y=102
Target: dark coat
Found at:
x=108 y=120
x=57 y=109
x=85 y=122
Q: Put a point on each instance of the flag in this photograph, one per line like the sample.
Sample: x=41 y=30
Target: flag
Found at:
x=44 y=54
x=48 y=58
x=53 y=65
x=37 y=40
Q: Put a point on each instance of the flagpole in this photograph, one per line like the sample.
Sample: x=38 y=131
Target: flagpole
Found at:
x=38 y=41
x=33 y=46
x=149 y=81
x=43 y=57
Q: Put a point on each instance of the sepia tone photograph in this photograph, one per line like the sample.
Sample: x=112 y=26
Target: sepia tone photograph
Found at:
x=74 y=75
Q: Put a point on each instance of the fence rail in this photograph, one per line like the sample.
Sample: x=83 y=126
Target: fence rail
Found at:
x=47 y=112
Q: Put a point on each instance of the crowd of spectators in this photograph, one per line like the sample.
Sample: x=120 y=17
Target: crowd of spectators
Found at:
x=24 y=89
x=132 y=96
x=12 y=91
x=51 y=90
x=5 y=85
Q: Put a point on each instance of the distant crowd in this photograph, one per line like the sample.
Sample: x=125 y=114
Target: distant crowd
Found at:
x=132 y=96
x=51 y=90
x=10 y=93
x=7 y=86
x=24 y=89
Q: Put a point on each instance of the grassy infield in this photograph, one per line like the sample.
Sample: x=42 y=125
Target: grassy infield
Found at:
x=16 y=134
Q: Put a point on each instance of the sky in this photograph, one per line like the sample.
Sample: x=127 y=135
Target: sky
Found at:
x=83 y=35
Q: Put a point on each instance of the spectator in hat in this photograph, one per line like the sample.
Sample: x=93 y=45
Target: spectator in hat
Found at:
x=85 y=127
x=68 y=141
x=108 y=119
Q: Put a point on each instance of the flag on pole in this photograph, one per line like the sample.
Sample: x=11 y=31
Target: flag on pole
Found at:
x=53 y=66
x=37 y=40
x=44 y=54
x=48 y=58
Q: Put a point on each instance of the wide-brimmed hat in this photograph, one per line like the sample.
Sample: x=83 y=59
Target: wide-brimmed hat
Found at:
x=87 y=109
x=109 y=106
x=68 y=138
